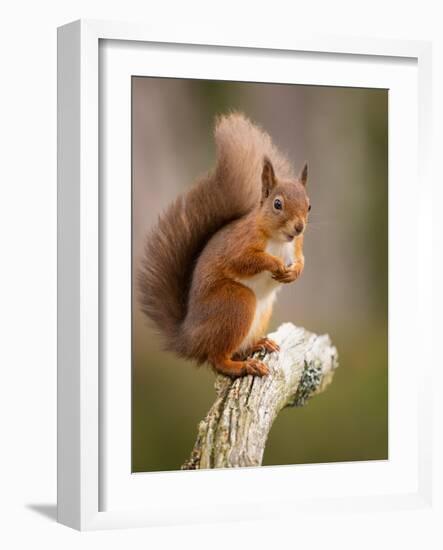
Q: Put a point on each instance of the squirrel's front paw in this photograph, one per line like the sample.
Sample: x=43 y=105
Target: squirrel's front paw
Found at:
x=290 y=274
x=279 y=271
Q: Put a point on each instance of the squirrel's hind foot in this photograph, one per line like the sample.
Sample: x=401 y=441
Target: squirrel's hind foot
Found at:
x=255 y=367
x=265 y=345
x=262 y=347
x=235 y=369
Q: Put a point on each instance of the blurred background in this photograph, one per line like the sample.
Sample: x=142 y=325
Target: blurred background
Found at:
x=343 y=134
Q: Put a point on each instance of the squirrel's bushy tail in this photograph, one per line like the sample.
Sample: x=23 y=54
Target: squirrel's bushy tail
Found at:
x=174 y=244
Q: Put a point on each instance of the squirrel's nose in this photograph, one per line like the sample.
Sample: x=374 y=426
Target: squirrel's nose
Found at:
x=298 y=228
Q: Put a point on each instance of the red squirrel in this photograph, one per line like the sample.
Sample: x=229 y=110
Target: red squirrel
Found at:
x=218 y=255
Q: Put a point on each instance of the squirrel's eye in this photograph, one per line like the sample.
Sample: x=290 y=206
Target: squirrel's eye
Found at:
x=278 y=204
x=309 y=208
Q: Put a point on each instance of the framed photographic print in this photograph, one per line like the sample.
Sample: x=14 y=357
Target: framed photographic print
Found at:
x=238 y=233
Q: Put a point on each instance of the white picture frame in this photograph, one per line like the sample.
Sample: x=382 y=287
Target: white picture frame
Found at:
x=83 y=443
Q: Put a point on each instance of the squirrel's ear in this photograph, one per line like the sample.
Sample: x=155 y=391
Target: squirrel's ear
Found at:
x=303 y=177
x=267 y=178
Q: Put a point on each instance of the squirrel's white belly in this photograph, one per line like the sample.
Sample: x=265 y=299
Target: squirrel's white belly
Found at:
x=265 y=289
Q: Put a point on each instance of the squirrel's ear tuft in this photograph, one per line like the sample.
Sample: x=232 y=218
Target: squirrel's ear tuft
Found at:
x=267 y=178
x=303 y=177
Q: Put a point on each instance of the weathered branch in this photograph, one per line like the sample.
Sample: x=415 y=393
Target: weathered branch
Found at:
x=236 y=428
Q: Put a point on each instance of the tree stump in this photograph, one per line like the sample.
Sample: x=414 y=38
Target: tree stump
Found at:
x=236 y=428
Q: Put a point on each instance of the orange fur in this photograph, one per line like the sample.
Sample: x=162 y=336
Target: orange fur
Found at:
x=209 y=248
